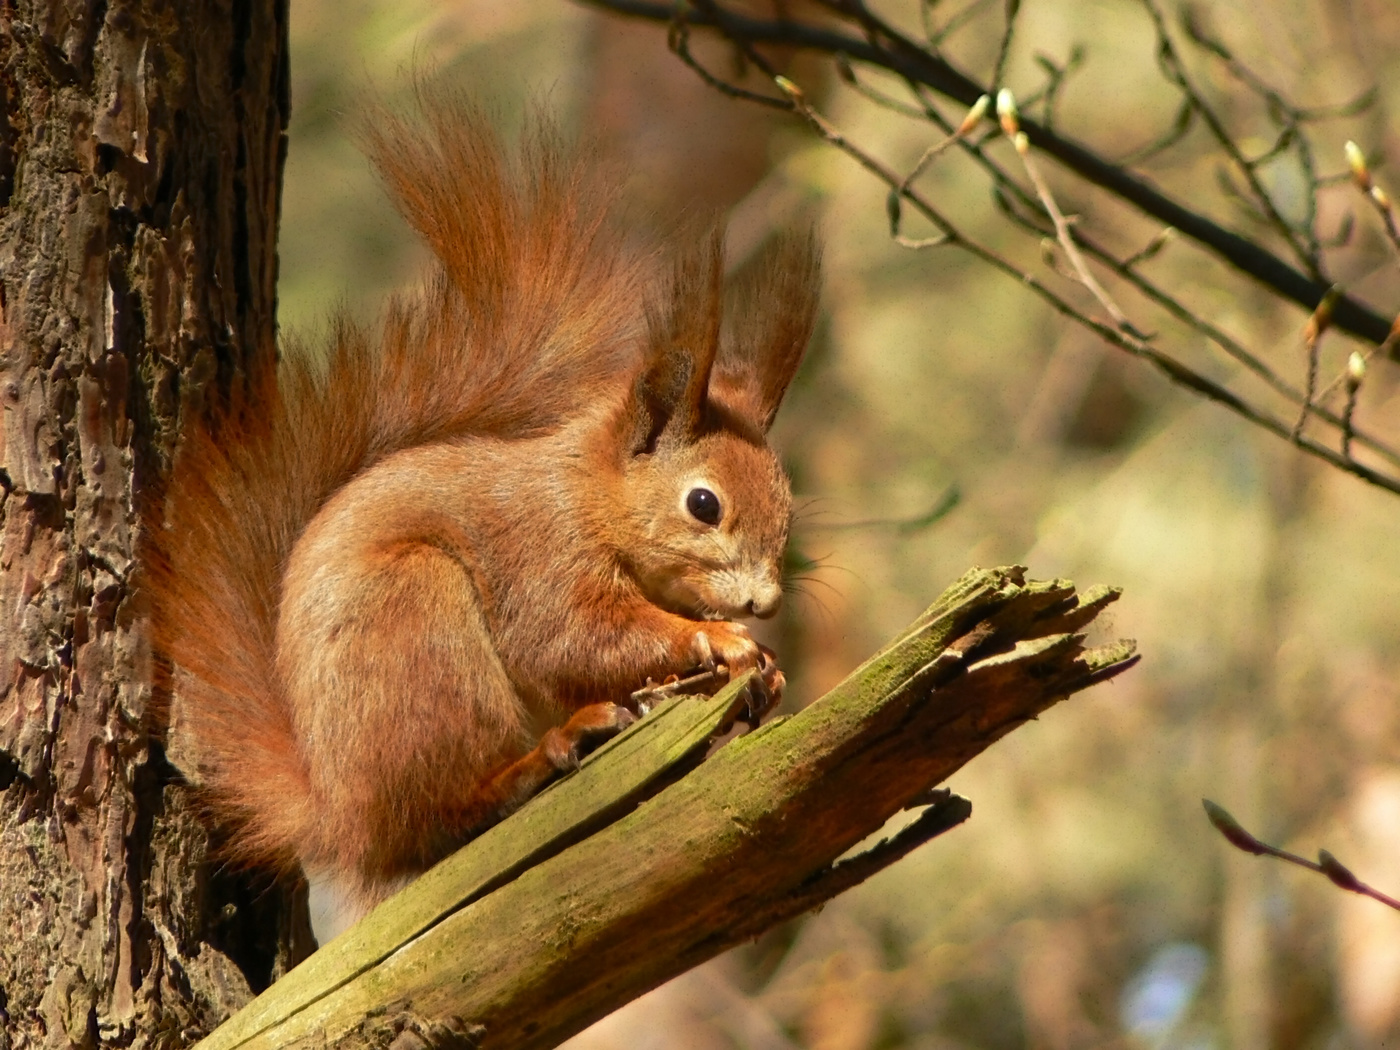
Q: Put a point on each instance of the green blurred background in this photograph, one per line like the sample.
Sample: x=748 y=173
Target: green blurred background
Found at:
x=1087 y=903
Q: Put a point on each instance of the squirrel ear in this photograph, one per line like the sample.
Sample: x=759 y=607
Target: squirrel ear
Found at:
x=772 y=311
x=668 y=400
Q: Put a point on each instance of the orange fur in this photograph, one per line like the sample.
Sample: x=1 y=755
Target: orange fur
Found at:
x=385 y=580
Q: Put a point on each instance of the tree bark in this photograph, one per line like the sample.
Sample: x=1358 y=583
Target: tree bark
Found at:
x=141 y=149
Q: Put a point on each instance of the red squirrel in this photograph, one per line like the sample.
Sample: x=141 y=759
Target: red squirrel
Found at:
x=404 y=585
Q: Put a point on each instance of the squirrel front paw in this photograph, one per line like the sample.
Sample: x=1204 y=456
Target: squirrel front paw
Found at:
x=730 y=645
x=566 y=745
x=726 y=644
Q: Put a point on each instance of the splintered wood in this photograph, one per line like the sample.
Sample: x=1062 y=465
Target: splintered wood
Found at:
x=652 y=857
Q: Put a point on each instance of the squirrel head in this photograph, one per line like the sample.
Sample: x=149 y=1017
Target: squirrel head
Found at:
x=706 y=504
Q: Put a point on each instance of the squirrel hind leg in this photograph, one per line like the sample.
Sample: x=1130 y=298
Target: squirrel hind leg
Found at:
x=337 y=900
x=559 y=751
x=400 y=703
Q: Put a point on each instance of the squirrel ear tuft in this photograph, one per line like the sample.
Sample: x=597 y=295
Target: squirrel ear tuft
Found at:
x=772 y=310
x=668 y=401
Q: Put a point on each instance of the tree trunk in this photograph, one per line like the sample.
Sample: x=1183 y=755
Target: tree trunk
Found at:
x=141 y=149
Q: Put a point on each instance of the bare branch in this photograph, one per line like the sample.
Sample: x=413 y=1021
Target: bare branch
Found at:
x=937 y=37
x=1173 y=369
x=1175 y=70
x=1375 y=196
x=1235 y=834
x=1355 y=374
x=1313 y=331
x=1231 y=346
x=897 y=53
x=1006 y=109
x=1056 y=76
x=1288 y=117
x=1036 y=207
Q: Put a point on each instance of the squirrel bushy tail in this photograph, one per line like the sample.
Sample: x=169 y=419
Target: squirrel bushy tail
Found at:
x=533 y=305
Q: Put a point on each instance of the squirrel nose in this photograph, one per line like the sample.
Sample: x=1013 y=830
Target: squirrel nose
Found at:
x=765 y=604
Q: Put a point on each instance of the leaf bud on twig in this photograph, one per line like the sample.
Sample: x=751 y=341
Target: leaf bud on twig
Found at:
x=1339 y=873
x=1231 y=829
x=1322 y=316
x=1356 y=370
x=974 y=115
x=1007 y=113
x=1356 y=160
x=788 y=88
x=893 y=210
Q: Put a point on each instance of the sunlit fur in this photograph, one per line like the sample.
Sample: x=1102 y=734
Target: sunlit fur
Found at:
x=381 y=581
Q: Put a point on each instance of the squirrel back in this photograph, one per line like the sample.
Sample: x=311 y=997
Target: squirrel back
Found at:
x=544 y=356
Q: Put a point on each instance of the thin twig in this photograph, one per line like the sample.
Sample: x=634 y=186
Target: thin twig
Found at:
x=1176 y=131
x=848 y=76
x=702 y=682
x=1175 y=71
x=678 y=39
x=974 y=116
x=1151 y=249
x=1356 y=372
x=1313 y=331
x=1124 y=269
x=1377 y=197
x=1006 y=110
x=1359 y=361
x=936 y=38
x=1326 y=864
x=1008 y=33
x=1280 y=110
x=1174 y=370
x=1055 y=81
x=908 y=59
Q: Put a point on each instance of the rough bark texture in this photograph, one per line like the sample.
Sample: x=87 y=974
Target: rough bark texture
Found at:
x=648 y=861
x=141 y=146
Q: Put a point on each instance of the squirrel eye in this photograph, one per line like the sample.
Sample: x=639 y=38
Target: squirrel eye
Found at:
x=703 y=506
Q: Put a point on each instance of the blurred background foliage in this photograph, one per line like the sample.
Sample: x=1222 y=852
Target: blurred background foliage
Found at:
x=1087 y=903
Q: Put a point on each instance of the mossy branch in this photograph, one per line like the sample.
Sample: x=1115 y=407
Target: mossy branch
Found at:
x=653 y=857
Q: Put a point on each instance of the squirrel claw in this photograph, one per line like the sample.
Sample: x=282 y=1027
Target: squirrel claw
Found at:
x=767 y=687
x=705 y=652
x=567 y=745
